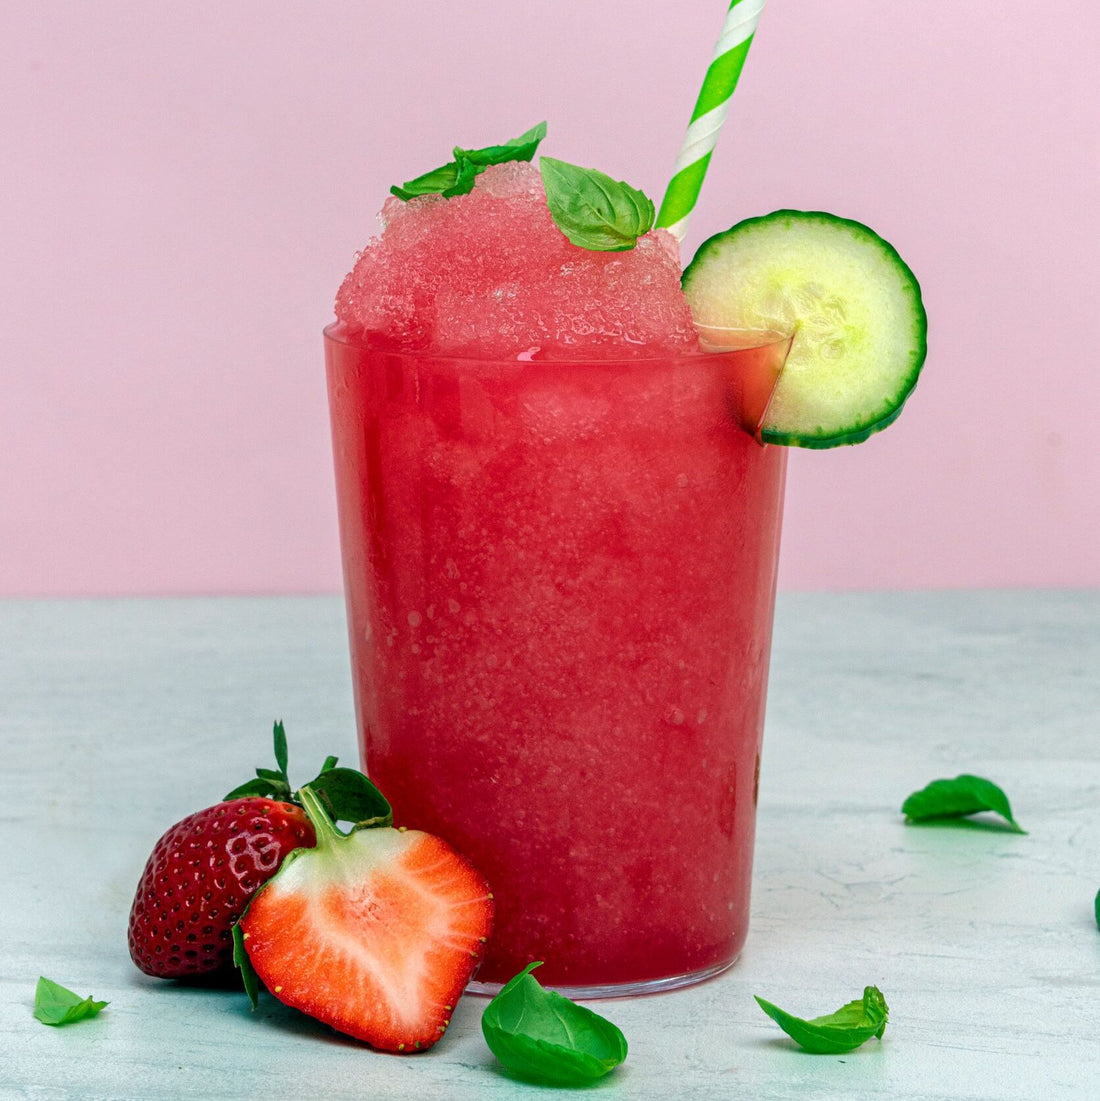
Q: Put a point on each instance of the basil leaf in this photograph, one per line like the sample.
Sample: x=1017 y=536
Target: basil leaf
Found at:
x=243 y=964
x=541 y=1036
x=835 y=1033
x=965 y=795
x=457 y=177
x=348 y=796
x=454 y=178
x=56 y=1005
x=464 y=181
x=593 y=210
x=517 y=149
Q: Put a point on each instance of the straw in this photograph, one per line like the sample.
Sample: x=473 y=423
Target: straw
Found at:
x=709 y=114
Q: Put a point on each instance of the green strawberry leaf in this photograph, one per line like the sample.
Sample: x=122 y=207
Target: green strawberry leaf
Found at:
x=1096 y=908
x=243 y=964
x=457 y=177
x=593 y=210
x=958 y=798
x=541 y=1036
x=270 y=783
x=54 y=1004
x=280 y=748
x=835 y=1033
x=348 y=796
x=263 y=789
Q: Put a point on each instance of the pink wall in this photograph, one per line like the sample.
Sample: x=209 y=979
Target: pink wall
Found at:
x=184 y=185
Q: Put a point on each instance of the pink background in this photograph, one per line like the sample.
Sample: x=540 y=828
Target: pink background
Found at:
x=184 y=185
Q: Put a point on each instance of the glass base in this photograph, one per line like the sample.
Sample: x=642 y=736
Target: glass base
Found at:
x=616 y=990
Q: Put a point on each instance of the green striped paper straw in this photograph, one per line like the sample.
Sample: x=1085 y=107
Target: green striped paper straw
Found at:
x=709 y=114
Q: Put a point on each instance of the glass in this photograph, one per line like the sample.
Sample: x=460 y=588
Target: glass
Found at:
x=560 y=579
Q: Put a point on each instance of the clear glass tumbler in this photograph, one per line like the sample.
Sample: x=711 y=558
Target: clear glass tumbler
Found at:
x=560 y=580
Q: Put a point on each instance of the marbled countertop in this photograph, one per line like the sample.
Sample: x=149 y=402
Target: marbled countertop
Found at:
x=119 y=717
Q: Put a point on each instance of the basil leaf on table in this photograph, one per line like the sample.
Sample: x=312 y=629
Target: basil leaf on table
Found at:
x=835 y=1033
x=958 y=798
x=542 y=1036
x=55 y=1004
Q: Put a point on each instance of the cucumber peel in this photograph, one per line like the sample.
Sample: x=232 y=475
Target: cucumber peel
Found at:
x=852 y=304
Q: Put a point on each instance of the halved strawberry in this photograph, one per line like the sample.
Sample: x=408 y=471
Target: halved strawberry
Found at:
x=375 y=932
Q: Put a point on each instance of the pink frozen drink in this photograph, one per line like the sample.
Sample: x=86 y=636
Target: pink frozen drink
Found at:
x=559 y=545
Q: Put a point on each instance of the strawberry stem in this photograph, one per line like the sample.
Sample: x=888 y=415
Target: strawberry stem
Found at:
x=326 y=830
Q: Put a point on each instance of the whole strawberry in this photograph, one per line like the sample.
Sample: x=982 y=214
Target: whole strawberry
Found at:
x=204 y=870
x=200 y=877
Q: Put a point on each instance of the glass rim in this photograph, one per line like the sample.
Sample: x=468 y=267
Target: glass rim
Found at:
x=741 y=341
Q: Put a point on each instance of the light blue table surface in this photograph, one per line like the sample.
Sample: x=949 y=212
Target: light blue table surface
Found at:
x=119 y=717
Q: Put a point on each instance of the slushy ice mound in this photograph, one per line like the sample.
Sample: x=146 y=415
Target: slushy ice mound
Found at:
x=490 y=275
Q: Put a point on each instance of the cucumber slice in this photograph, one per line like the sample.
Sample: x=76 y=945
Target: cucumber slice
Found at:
x=853 y=305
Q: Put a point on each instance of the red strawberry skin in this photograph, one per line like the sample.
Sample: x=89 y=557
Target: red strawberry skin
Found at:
x=375 y=935
x=200 y=877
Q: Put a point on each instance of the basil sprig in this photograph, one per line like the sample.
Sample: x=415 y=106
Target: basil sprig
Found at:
x=835 y=1033
x=593 y=210
x=55 y=1004
x=542 y=1036
x=958 y=798
x=457 y=176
